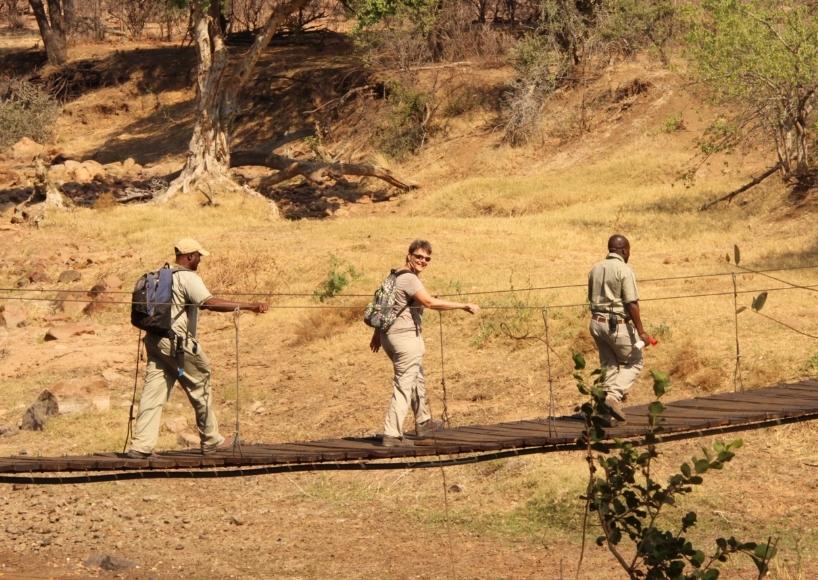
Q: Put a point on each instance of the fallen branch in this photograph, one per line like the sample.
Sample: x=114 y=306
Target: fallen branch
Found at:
x=755 y=181
x=315 y=171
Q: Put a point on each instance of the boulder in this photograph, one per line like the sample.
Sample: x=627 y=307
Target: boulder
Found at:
x=26 y=150
x=70 y=303
x=67 y=331
x=109 y=563
x=35 y=417
x=81 y=395
x=58 y=173
x=101 y=299
x=189 y=439
x=174 y=424
x=69 y=276
x=95 y=168
x=12 y=315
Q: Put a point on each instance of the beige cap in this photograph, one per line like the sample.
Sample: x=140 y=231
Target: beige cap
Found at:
x=188 y=246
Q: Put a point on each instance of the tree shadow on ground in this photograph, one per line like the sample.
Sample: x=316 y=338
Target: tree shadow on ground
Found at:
x=164 y=132
x=306 y=201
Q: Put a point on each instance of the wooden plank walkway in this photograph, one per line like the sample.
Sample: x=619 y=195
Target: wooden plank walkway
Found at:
x=701 y=416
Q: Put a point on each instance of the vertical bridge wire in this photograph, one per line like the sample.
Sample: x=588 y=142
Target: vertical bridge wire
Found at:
x=236 y=437
x=443 y=373
x=738 y=385
x=552 y=407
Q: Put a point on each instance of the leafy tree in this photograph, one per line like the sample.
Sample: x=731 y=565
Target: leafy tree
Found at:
x=628 y=499
x=762 y=55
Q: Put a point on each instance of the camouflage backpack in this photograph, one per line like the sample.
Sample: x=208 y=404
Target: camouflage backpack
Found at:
x=380 y=313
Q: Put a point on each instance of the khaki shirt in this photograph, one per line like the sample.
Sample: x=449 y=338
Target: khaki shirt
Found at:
x=189 y=292
x=406 y=287
x=611 y=285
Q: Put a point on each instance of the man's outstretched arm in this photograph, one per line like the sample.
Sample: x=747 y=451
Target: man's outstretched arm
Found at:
x=219 y=305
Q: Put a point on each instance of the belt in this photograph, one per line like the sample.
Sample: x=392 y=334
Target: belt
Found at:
x=603 y=319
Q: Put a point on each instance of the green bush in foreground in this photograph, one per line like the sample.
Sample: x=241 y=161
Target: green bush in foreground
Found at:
x=628 y=500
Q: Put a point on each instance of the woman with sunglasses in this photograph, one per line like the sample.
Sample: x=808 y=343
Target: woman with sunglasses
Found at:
x=403 y=343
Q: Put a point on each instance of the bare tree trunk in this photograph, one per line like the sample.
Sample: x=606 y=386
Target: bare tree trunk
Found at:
x=52 y=30
x=208 y=157
x=207 y=167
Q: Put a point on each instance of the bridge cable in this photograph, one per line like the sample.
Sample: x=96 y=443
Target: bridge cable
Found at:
x=446 y=418
x=236 y=434
x=129 y=431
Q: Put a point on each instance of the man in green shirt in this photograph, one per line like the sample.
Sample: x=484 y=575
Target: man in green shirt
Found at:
x=181 y=358
x=616 y=324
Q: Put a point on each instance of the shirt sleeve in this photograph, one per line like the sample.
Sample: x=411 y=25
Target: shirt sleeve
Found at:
x=410 y=284
x=195 y=290
x=629 y=291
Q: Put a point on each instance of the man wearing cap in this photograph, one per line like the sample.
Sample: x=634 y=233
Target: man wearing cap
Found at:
x=181 y=357
x=616 y=324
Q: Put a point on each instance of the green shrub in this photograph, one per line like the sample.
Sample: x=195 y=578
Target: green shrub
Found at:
x=25 y=111
x=339 y=277
x=405 y=130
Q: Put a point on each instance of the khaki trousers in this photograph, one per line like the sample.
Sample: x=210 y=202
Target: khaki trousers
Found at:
x=160 y=376
x=405 y=349
x=620 y=360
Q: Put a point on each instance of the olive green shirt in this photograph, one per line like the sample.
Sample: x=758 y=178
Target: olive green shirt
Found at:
x=611 y=285
x=189 y=292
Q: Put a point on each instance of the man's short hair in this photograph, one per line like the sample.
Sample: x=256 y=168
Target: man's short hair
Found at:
x=420 y=245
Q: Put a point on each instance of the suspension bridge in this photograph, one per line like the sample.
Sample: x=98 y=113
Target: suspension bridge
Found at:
x=717 y=413
x=698 y=417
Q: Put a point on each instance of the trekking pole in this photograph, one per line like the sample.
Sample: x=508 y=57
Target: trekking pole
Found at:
x=236 y=438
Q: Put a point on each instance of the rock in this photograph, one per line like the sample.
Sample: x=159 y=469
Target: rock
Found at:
x=69 y=276
x=101 y=299
x=109 y=563
x=12 y=315
x=58 y=173
x=82 y=394
x=72 y=303
x=93 y=167
x=456 y=488
x=175 y=424
x=7 y=431
x=112 y=376
x=26 y=150
x=236 y=521
x=67 y=331
x=112 y=282
x=189 y=439
x=35 y=417
x=32 y=277
x=82 y=175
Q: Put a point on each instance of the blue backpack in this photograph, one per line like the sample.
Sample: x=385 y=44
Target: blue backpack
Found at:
x=152 y=300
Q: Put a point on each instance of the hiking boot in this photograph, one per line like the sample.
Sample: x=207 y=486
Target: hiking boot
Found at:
x=608 y=421
x=134 y=454
x=616 y=408
x=428 y=427
x=226 y=445
x=388 y=441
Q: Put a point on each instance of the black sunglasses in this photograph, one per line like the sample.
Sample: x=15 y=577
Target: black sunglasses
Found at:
x=422 y=257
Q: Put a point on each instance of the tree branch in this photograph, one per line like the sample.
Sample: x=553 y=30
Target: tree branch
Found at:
x=315 y=171
x=755 y=181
